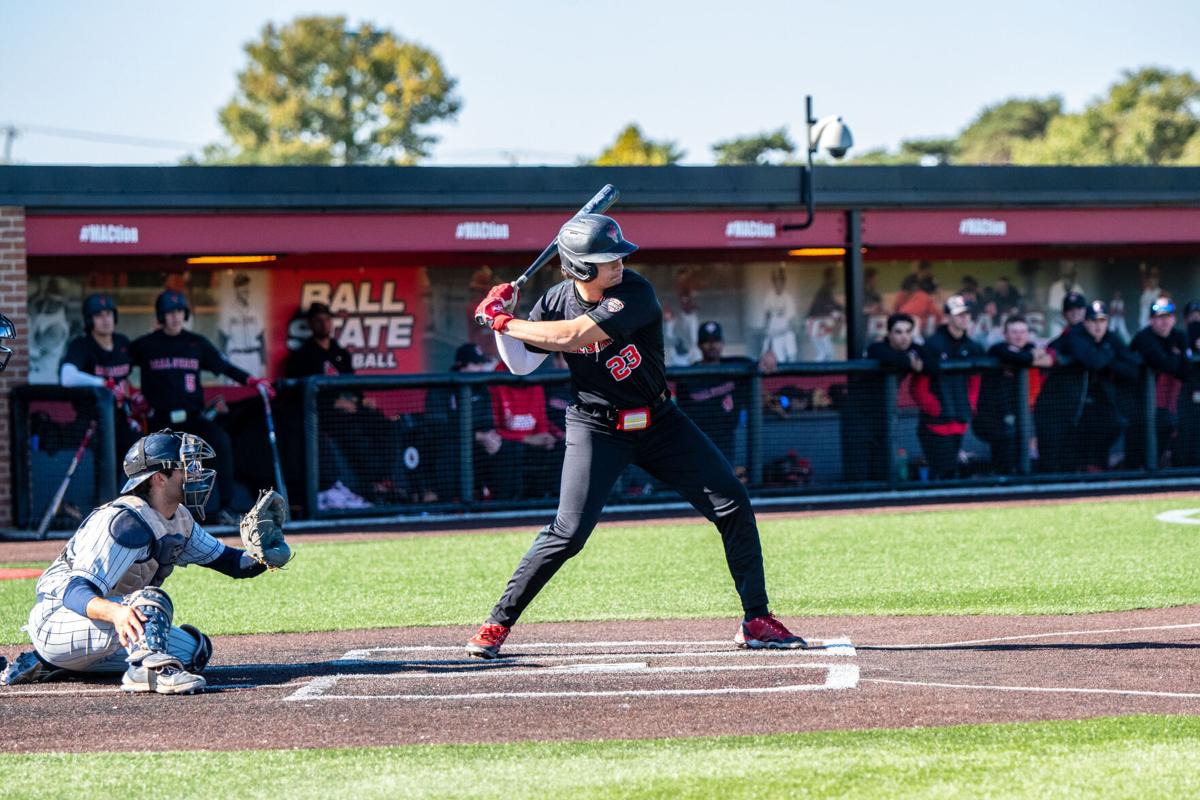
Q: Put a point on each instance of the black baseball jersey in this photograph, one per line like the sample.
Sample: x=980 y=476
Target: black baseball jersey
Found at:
x=716 y=403
x=628 y=369
x=171 y=369
x=312 y=359
x=88 y=356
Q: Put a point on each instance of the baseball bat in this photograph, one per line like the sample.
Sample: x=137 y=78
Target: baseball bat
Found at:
x=602 y=201
x=280 y=487
x=62 y=489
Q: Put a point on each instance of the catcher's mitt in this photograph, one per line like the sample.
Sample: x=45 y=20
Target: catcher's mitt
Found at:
x=262 y=531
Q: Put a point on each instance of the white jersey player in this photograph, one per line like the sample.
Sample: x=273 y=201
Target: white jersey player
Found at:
x=100 y=606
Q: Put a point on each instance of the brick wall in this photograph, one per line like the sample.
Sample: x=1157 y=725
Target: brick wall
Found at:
x=14 y=304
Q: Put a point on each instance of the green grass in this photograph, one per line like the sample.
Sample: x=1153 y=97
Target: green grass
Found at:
x=1072 y=558
x=1134 y=757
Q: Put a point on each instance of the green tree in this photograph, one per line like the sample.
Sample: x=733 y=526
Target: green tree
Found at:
x=912 y=152
x=754 y=149
x=1151 y=116
x=994 y=133
x=317 y=92
x=632 y=149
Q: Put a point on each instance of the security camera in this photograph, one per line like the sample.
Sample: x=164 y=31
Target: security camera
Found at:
x=832 y=135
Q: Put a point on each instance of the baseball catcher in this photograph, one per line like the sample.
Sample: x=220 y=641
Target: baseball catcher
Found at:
x=101 y=607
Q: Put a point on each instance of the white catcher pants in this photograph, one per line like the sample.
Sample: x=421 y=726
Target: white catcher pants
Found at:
x=70 y=641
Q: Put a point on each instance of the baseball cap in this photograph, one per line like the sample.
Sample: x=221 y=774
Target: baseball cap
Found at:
x=1193 y=305
x=468 y=354
x=1161 y=307
x=1074 y=300
x=710 y=332
x=317 y=308
x=956 y=305
x=1097 y=310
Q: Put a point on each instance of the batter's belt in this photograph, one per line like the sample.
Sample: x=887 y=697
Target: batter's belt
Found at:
x=610 y=416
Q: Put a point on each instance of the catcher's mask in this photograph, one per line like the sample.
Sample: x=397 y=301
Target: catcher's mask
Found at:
x=7 y=331
x=587 y=240
x=165 y=450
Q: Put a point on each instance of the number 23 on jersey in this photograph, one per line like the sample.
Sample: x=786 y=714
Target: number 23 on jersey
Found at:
x=622 y=365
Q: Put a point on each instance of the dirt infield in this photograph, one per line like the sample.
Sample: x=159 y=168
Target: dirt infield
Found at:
x=631 y=680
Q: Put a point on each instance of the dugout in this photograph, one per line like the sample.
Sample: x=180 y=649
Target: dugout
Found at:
x=402 y=254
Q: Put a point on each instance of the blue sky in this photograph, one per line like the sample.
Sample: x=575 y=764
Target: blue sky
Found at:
x=545 y=82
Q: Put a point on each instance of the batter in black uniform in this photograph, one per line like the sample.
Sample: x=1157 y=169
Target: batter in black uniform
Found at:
x=101 y=357
x=171 y=359
x=608 y=323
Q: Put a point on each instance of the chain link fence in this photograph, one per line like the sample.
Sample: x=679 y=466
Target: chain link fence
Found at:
x=476 y=442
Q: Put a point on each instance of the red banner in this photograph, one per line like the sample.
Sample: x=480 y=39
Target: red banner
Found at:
x=376 y=314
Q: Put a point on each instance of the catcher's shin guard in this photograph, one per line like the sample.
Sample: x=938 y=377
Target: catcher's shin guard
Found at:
x=204 y=649
x=151 y=649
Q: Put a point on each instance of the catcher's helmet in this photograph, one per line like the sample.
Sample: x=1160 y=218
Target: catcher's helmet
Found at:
x=93 y=304
x=590 y=239
x=7 y=331
x=166 y=450
x=171 y=300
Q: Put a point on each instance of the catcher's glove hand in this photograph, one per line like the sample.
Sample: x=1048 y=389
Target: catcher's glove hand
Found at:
x=262 y=531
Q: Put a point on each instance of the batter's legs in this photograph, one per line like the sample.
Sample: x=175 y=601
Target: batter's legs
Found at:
x=676 y=452
x=595 y=456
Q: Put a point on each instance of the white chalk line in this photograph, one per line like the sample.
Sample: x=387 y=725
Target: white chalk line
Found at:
x=1046 y=635
x=1180 y=516
x=837 y=677
x=67 y=691
x=1043 y=689
x=828 y=647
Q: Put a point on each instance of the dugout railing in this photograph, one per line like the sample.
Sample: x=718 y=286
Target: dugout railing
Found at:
x=401 y=445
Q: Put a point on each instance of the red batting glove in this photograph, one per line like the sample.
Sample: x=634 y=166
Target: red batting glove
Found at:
x=255 y=383
x=138 y=405
x=500 y=321
x=117 y=389
x=505 y=293
x=487 y=310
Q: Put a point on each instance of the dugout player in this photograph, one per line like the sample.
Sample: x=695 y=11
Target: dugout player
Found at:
x=101 y=357
x=716 y=403
x=1055 y=404
x=608 y=323
x=865 y=437
x=947 y=399
x=998 y=415
x=100 y=605
x=1164 y=349
x=171 y=359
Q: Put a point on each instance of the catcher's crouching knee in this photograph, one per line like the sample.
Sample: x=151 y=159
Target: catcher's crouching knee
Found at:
x=203 y=650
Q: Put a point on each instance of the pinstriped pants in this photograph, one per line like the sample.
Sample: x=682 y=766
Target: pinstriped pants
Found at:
x=73 y=642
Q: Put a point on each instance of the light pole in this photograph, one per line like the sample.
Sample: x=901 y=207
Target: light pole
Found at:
x=829 y=134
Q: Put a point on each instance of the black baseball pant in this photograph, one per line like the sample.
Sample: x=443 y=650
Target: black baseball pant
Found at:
x=674 y=451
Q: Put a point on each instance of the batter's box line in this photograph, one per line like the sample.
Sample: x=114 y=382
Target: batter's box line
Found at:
x=1042 y=689
x=837 y=677
x=841 y=646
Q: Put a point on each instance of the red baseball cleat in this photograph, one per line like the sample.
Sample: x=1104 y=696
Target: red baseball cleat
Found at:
x=767 y=632
x=486 y=643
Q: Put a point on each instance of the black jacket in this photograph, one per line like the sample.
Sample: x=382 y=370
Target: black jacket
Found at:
x=1088 y=371
x=946 y=397
x=999 y=403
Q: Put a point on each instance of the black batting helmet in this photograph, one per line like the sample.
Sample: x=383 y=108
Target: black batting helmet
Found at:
x=590 y=239
x=93 y=304
x=171 y=300
x=7 y=331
